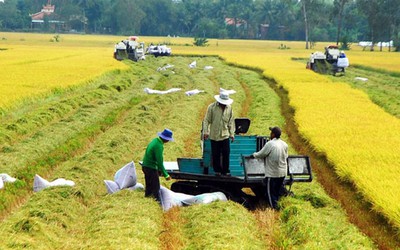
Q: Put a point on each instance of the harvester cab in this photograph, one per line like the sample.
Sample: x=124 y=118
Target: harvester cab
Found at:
x=246 y=182
x=331 y=61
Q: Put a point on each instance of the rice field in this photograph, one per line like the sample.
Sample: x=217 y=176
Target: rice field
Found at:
x=29 y=69
x=358 y=137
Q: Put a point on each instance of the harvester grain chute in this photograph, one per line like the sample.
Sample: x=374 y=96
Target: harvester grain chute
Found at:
x=331 y=61
x=196 y=175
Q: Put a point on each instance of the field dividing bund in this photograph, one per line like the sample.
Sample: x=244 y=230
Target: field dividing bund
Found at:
x=85 y=217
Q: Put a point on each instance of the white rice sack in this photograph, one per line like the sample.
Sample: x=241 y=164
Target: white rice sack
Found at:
x=1 y=183
x=228 y=91
x=138 y=186
x=126 y=176
x=171 y=199
x=39 y=183
x=62 y=182
x=193 y=92
x=7 y=178
x=193 y=65
x=343 y=62
x=111 y=186
x=205 y=198
x=361 y=79
x=161 y=92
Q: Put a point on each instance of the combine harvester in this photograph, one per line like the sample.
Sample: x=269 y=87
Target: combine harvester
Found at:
x=129 y=49
x=245 y=184
x=332 y=61
x=158 y=50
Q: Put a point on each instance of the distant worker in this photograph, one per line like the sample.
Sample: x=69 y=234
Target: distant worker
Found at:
x=275 y=153
x=153 y=164
x=132 y=43
x=219 y=127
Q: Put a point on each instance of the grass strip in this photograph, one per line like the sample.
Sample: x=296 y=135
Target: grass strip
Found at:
x=376 y=70
x=221 y=225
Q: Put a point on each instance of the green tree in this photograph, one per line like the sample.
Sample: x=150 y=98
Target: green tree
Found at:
x=391 y=12
x=338 y=11
x=155 y=21
x=124 y=17
x=372 y=9
x=93 y=10
x=278 y=15
x=239 y=11
x=10 y=16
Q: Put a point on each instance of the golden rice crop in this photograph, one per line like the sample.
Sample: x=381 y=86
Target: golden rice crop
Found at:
x=27 y=71
x=381 y=60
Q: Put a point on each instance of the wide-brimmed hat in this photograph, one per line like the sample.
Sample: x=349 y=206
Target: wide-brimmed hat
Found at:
x=223 y=98
x=166 y=135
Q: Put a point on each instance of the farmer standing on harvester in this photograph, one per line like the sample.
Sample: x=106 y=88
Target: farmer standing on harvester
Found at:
x=219 y=127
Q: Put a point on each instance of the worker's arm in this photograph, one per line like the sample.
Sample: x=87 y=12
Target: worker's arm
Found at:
x=264 y=152
x=160 y=162
x=231 y=126
x=206 y=123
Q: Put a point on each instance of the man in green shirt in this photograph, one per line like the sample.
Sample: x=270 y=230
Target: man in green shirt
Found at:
x=219 y=127
x=153 y=164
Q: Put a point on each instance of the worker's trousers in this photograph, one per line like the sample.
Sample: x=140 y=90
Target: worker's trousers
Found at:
x=152 y=183
x=273 y=187
x=220 y=151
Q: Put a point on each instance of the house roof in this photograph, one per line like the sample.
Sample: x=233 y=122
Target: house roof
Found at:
x=47 y=10
x=232 y=21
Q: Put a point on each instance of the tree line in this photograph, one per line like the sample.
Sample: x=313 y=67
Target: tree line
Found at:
x=309 y=20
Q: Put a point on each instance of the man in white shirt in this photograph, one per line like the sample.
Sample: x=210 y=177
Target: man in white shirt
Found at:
x=275 y=153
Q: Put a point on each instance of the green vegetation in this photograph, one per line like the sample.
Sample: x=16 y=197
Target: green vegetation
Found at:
x=87 y=133
x=344 y=43
x=283 y=46
x=200 y=41
x=309 y=20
